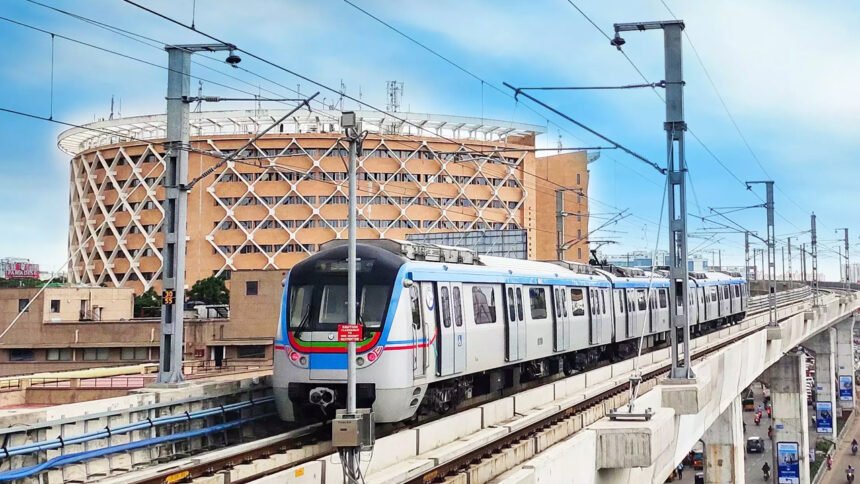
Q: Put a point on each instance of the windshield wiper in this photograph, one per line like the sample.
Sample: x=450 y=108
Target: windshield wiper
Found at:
x=305 y=318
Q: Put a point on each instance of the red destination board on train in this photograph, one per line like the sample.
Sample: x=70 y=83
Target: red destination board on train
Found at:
x=349 y=333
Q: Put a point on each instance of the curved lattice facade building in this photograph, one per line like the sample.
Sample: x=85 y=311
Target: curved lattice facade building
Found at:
x=287 y=194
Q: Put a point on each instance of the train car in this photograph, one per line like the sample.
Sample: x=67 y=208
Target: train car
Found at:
x=442 y=325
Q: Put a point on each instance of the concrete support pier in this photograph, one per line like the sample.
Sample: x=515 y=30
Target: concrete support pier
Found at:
x=787 y=382
x=724 y=447
x=845 y=366
x=824 y=346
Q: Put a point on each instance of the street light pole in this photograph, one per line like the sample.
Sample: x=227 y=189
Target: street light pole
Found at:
x=676 y=173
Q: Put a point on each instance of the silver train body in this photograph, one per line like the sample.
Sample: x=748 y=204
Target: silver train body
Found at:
x=442 y=325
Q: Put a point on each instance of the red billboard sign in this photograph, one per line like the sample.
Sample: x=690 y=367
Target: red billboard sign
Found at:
x=20 y=270
x=347 y=333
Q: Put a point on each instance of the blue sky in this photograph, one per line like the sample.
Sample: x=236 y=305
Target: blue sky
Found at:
x=787 y=71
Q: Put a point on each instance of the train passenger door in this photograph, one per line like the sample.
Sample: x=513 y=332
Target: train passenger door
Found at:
x=561 y=321
x=515 y=327
x=421 y=314
x=459 y=327
x=594 y=305
x=445 y=331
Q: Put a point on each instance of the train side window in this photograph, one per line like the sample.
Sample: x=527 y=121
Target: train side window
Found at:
x=578 y=301
x=643 y=302
x=537 y=302
x=602 y=301
x=446 y=307
x=592 y=300
x=556 y=302
x=662 y=294
x=519 y=304
x=484 y=304
x=512 y=314
x=561 y=302
x=631 y=301
x=415 y=300
x=458 y=306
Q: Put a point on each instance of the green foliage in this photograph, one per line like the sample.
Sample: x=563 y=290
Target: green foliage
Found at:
x=147 y=304
x=211 y=290
x=13 y=283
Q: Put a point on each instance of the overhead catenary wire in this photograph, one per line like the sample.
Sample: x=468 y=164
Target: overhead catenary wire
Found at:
x=623 y=148
x=130 y=34
x=525 y=171
x=301 y=76
x=725 y=106
x=691 y=131
x=159 y=45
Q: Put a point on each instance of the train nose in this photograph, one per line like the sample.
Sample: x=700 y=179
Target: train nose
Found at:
x=321 y=396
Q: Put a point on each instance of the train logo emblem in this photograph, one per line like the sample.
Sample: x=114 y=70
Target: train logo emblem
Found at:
x=429 y=300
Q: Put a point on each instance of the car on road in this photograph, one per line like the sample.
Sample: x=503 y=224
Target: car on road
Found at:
x=755 y=445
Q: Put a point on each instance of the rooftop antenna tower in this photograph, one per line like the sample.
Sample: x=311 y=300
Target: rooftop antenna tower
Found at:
x=559 y=142
x=341 y=92
x=395 y=95
x=111 y=107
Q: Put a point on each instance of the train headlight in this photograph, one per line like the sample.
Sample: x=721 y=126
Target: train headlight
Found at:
x=374 y=354
x=296 y=358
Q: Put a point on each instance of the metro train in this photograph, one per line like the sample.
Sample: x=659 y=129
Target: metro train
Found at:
x=441 y=324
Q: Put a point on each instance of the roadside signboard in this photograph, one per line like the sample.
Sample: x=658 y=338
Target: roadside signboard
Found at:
x=846 y=388
x=824 y=417
x=787 y=463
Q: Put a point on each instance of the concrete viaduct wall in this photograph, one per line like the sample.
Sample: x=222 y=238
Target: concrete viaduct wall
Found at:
x=603 y=452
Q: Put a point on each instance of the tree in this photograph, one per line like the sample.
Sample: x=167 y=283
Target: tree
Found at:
x=144 y=304
x=211 y=290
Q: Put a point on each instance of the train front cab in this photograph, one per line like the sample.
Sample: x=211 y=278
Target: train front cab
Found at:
x=310 y=362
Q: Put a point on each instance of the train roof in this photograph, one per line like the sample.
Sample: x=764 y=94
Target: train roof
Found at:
x=469 y=261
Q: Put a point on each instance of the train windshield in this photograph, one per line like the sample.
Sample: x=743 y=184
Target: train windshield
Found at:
x=331 y=309
x=318 y=289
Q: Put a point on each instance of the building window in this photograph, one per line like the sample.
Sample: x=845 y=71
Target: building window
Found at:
x=21 y=355
x=578 y=179
x=579 y=252
x=251 y=288
x=134 y=354
x=22 y=304
x=55 y=305
x=59 y=354
x=93 y=354
x=255 y=351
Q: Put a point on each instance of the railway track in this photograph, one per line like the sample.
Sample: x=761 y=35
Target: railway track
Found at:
x=254 y=460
